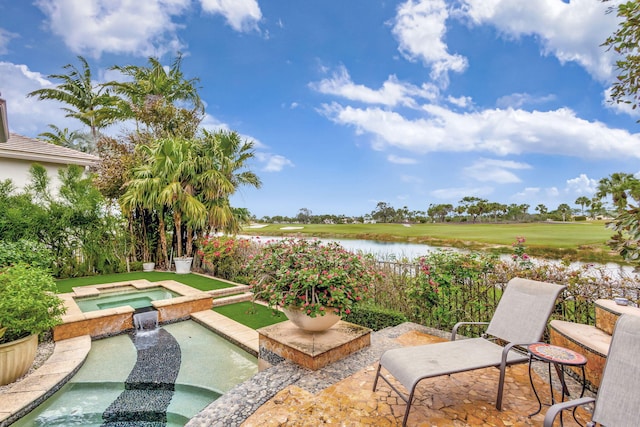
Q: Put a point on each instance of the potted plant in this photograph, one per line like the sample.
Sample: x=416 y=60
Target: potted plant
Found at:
x=310 y=280
x=28 y=307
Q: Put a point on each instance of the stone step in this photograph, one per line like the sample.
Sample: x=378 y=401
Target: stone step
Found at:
x=587 y=340
x=247 y=296
x=608 y=312
x=217 y=293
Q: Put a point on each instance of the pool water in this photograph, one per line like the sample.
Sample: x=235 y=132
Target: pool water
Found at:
x=136 y=298
x=164 y=378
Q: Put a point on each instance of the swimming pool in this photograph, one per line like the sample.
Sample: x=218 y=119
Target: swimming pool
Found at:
x=164 y=376
x=126 y=295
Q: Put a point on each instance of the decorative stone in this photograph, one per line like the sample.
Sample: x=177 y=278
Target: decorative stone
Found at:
x=312 y=350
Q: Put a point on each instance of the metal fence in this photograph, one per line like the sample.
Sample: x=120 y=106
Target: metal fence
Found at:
x=476 y=300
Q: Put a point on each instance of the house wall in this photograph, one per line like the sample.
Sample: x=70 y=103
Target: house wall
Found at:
x=18 y=171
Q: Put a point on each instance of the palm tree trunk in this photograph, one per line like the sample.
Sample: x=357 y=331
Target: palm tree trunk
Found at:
x=163 y=237
x=178 y=224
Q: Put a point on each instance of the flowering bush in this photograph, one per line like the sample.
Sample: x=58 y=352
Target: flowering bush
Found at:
x=519 y=254
x=224 y=256
x=307 y=274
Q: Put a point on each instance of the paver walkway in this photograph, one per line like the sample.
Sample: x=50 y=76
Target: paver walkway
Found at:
x=465 y=399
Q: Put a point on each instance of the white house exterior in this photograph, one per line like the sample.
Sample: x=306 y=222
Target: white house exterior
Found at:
x=19 y=153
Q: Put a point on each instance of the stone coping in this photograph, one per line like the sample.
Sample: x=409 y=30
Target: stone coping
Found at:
x=18 y=400
x=583 y=335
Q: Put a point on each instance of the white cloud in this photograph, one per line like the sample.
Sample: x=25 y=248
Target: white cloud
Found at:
x=458 y=193
x=619 y=108
x=518 y=100
x=392 y=93
x=392 y=158
x=582 y=185
x=497 y=131
x=241 y=15
x=273 y=162
x=462 y=101
x=528 y=193
x=571 y=31
x=126 y=27
x=5 y=38
x=495 y=170
x=420 y=28
x=29 y=116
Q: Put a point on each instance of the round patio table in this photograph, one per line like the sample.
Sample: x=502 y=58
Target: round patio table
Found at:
x=559 y=357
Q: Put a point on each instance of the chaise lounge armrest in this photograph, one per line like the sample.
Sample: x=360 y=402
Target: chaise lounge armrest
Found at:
x=554 y=410
x=454 y=331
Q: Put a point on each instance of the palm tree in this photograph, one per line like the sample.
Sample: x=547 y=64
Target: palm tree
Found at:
x=152 y=86
x=619 y=186
x=583 y=201
x=542 y=209
x=89 y=103
x=75 y=140
x=229 y=155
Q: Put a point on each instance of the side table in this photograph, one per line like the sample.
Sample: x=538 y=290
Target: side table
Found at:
x=559 y=357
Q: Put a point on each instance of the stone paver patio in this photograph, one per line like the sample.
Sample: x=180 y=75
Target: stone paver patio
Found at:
x=341 y=393
x=465 y=399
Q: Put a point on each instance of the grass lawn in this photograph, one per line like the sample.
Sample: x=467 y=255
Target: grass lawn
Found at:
x=194 y=280
x=586 y=240
x=254 y=316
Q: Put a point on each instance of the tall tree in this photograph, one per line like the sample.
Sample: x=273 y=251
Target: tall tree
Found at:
x=88 y=102
x=624 y=41
x=619 y=186
x=583 y=201
x=150 y=89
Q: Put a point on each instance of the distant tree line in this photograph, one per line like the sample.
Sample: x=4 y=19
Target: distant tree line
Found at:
x=619 y=186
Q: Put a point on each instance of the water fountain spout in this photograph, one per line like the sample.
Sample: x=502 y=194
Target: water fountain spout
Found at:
x=145 y=320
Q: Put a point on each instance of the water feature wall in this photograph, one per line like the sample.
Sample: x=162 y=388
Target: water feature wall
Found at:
x=145 y=320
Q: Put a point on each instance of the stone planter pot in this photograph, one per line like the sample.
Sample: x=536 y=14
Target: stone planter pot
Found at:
x=183 y=265
x=148 y=266
x=16 y=357
x=311 y=324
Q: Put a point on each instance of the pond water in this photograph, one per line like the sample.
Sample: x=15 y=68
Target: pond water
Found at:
x=160 y=377
x=388 y=251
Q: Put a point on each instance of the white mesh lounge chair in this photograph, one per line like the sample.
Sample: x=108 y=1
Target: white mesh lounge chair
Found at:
x=520 y=319
x=617 y=403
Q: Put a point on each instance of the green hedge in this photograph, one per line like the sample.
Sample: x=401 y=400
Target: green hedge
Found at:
x=375 y=318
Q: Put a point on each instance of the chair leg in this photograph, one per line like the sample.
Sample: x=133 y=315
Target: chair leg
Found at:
x=406 y=412
x=375 y=382
x=503 y=369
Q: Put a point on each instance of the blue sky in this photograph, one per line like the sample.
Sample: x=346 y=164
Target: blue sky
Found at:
x=351 y=103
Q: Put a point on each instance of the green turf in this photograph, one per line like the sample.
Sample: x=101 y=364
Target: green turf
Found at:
x=254 y=316
x=543 y=234
x=194 y=280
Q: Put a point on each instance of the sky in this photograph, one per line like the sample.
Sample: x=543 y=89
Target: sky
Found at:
x=352 y=103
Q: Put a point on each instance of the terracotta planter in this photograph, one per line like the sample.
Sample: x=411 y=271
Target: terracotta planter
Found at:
x=16 y=357
x=183 y=265
x=308 y=323
x=148 y=266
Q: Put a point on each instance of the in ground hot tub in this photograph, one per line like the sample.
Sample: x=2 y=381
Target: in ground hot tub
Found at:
x=124 y=296
x=108 y=309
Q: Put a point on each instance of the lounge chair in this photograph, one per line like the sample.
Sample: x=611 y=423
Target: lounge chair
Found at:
x=520 y=319
x=617 y=403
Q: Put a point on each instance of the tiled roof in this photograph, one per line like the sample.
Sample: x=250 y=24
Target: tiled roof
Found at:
x=21 y=147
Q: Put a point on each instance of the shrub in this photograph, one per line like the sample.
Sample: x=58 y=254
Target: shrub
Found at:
x=28 y=303
x=225 y=256
x=310 y=275
x=579 y=218
x=26 y=251
x=375 y=318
